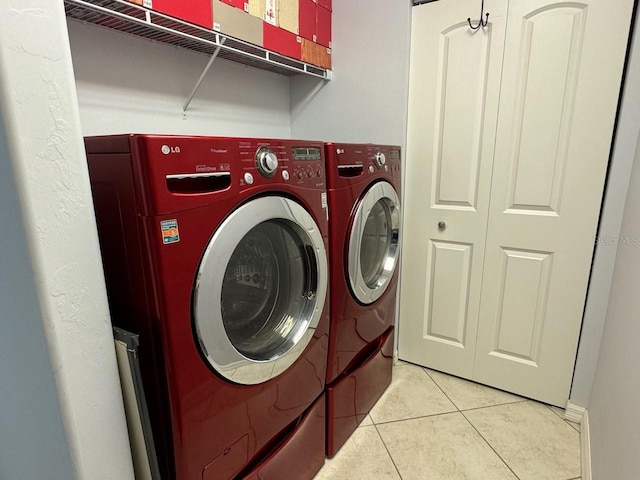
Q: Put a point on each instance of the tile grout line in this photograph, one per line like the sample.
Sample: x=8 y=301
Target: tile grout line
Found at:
x=413 y=418
x=468 y=409
x=490 y=446
x=496 y=405
x=568 y=422
x=440 y=388
x=472 y=426
x=445 y=413
x=387 y=450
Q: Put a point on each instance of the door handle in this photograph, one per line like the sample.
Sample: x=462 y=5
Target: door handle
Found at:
x=442 y=225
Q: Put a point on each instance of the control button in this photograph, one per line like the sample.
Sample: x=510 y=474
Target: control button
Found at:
x=300 y=175
x=248 y=178
x=319 y=172
x=380 y=159
x=310 y=172
x=371 y=169
x=285 y=175
x=266 y=161
x=386 y=168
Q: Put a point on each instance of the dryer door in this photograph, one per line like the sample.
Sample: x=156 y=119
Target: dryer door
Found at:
x=260 y=290
x=373 y=242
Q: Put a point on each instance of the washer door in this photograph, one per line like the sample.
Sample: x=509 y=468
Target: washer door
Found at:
x=260 y=290
x=373 y=242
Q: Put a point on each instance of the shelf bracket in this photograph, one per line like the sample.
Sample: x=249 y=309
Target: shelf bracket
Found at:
x=202 y=75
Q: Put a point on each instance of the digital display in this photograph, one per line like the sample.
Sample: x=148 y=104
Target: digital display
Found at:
x=394 y=154
x=306 y=154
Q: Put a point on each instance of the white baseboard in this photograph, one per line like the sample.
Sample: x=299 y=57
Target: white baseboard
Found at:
x=585 y=447
x=577 y=414
x=574 y=413
x=395 y=356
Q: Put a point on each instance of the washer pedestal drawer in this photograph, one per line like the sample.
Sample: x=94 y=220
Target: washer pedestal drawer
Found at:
x=301 y=455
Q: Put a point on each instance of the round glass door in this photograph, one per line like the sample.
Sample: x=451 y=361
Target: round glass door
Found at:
x=260 y=290
x=373 y=244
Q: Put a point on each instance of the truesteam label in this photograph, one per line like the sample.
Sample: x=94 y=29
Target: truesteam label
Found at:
x=170 y=232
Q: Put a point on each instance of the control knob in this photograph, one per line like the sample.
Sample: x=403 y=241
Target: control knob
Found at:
x=380 y=159
x=266 y=161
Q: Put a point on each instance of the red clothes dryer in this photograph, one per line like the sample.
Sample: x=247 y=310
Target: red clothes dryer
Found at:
x=215 y=254
x=364 y=221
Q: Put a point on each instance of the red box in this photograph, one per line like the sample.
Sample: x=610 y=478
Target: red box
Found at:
x=323 y=26
x=241 y=4
x=281 y=41
x=307 y=19
x=325 y=4
x=199 y=12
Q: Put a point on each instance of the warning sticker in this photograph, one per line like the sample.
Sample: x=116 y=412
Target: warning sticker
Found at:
x=323 y=199
x=170 y=232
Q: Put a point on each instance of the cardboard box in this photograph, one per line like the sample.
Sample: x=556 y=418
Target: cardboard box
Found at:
x=325 y=4
x=193 y=11
x=282 y=41
x=288 y=13
x=266 y=10
x=307 y=19
x=241 y=4
x=323 y=26
x=137 y=2
x=236 y=23
x=316 y=54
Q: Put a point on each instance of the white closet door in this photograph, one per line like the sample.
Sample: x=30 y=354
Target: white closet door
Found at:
x=561 y=79
x=453 y=102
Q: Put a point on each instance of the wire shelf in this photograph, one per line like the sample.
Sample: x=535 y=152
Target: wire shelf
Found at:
x=133 y=19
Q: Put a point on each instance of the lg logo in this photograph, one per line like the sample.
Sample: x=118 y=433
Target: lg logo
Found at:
x=166 y=149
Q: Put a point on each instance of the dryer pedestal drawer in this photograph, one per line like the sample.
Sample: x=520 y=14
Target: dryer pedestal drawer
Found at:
x=352 y=396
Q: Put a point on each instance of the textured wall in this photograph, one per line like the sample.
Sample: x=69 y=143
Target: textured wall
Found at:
x=57 y=267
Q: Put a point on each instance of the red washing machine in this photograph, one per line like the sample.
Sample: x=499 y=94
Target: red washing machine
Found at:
x=215 y=254
x=364 y=224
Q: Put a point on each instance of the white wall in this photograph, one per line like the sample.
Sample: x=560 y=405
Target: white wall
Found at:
x=30 y=417
x=52 y=281
x=614 y=414
x=128 y=84
x=367 y=99
x=609 y=230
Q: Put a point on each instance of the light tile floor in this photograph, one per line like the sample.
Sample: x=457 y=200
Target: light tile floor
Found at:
x=432 y=426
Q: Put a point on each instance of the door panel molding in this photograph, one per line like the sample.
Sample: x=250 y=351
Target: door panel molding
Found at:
x=450 y=274
x=523 y=294
x=460 y=98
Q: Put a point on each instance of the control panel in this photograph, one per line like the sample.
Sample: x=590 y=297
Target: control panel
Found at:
x=184 y=172
x=286 y=161
x=355 y=160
